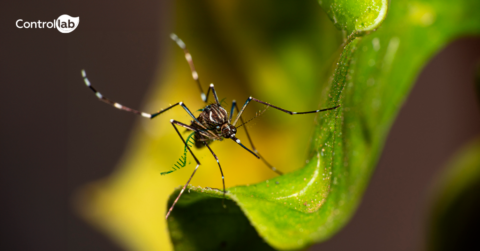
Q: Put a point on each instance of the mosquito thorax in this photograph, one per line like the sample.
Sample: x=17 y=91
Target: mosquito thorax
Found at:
x=228 y=130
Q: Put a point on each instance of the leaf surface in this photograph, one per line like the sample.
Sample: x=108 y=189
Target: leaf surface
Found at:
x=372 y=77
x=360 y=15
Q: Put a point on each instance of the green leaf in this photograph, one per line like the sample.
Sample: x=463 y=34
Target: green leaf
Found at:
x=373 y=75
x=210 y=226
x=356 y=16
x=454 y=212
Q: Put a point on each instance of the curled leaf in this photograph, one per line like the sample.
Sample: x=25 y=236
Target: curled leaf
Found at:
x=356 y=16
x=371 y=80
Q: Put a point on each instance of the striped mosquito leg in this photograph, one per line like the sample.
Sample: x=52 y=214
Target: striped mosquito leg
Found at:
x=234 y=105
x=124 y=108
x=108 y=101
x=170 y=107
x=212 y=88
x=188 y=57
x=278 y=108
x=193 y=155
x=221 y=172
x=244 y=147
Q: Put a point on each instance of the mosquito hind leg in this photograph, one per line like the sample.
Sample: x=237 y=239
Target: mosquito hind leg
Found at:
x=110 y=102
x=188 y=57
x=195 y=77
x=128 y=109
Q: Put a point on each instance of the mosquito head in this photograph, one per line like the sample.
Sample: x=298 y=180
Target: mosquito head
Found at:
x=228 y=130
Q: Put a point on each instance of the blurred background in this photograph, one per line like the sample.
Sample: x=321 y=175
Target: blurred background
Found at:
x=66 y=158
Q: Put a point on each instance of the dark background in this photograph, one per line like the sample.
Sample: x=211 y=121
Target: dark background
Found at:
x=44 y=103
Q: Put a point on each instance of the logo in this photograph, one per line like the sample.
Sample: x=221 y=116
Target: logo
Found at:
x=67 y=24
x=64 y=24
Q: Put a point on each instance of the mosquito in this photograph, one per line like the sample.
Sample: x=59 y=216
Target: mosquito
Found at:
x=214 y=122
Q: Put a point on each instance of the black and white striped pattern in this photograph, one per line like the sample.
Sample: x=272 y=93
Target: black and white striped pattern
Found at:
x=128 y=109
x=234 y=105
x=108 y=101
x=276 y=107
x=188 y=57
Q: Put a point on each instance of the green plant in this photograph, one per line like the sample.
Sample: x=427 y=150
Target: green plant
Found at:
x=287 y=53
x=373 y=75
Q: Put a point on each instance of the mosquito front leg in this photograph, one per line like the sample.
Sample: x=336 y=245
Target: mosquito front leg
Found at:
x=244 y=147
x=234 y=105
x=276 y=107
